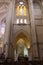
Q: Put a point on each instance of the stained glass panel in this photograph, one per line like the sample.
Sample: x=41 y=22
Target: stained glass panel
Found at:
x=21 y=10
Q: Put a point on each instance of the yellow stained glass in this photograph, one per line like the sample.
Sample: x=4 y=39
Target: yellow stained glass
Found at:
x=21 y=11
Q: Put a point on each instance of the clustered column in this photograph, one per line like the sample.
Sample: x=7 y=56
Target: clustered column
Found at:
x=33 y=32
x=11 y=44
x=7 y=29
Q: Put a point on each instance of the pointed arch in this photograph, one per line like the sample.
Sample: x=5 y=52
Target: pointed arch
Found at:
x=24 y=37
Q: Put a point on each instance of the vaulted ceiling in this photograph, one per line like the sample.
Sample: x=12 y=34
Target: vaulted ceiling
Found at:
x=3 y=12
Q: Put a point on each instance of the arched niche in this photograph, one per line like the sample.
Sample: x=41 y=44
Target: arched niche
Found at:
x=22 y=44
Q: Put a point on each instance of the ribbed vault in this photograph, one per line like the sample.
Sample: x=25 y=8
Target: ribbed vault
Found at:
x=21 y=35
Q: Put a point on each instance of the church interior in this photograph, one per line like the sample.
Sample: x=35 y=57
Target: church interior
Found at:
x=21 y=32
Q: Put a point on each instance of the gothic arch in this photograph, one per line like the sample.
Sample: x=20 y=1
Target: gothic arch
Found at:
x=24 y=36
x=22 y=31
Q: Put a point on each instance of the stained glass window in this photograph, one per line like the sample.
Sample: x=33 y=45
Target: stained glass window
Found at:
x=2 y=29
x=25 y=21
x=21 y=21
x=17 y=21
x=21 y=9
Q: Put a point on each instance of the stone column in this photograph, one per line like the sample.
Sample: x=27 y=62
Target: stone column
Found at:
x=42 y=11
x=7 y=30
x=33 y=32
x=11 y=47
